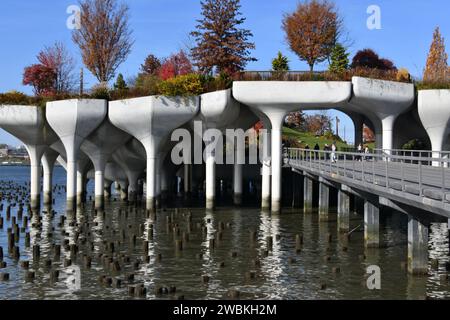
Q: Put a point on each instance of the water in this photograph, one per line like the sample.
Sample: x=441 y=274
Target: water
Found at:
x=283 y=274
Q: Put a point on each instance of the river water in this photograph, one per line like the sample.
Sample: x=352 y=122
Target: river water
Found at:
x=238 y=261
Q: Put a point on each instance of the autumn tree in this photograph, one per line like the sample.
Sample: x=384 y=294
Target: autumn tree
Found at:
x=339 y=59
x=221 y=44
x=177 y=64
x=296 y=120
x=151 y=65
x=58 y=59
x=313 y=30
x=367 y=58
x=41 y=78
x=436 y=69
x=368 y=135
x=319 y=123
x=104 y=36
x=280 y=63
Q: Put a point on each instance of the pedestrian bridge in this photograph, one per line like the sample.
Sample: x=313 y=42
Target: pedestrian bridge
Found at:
x=414 y=183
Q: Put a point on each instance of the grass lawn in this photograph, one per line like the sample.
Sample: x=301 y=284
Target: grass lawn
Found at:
x=307 y=138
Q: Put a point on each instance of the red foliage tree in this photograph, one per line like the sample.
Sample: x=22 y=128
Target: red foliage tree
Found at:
x=368 y=58
x=368 y=135
x=41 y=77
x=176 y=65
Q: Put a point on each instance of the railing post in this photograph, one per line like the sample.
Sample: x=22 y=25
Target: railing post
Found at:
x=420 y=179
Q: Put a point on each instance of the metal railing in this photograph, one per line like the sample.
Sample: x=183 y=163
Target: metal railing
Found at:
x=410 y=174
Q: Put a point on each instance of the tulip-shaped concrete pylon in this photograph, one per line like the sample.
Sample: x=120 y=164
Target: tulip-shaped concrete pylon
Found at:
x=99 y=147
x=434 y=112
x=73 y=121
x=28 y=124
x=149 y=120
x=218 y=110
x=275 y=99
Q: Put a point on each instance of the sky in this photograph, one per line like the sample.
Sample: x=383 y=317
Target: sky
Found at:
x=162 y=27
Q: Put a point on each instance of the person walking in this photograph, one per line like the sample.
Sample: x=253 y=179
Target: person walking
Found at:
x=333 y=152
x=360 y=151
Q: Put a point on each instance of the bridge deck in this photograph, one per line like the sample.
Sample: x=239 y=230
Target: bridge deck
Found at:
x=412 y=180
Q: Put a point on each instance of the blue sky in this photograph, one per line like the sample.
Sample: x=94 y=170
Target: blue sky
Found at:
x=162 y=27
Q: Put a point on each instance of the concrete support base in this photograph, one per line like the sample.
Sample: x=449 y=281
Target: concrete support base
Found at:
x=417 y=247
x=210 y=203
x=237 y=199
x=343 y=219
x=324 y=202
x=307 y=195
x=99 y=202
x=35 y=202
x=48 y=198
x=371 y=224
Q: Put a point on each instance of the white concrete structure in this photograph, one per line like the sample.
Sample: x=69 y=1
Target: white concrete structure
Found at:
x=48 y=163
x=434 y=112
x=382 y=102
x=131 y=157
x=275 y=99
x=218 y=110
x=99 y=147
x=73 y=121
x=28 y=124
x=149 y=120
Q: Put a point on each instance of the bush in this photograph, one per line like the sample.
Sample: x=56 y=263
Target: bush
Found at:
x=148 y=84
x=403 y=75
x=185 y=85
x=100 y=91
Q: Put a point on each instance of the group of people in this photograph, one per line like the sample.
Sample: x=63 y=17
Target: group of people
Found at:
x=327 y=148
x=331 y=149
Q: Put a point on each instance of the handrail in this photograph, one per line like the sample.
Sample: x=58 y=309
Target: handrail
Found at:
x=386 y=170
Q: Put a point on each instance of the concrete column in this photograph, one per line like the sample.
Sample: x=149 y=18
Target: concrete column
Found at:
x=132 y=186
x=307 y=194
x=35 y=153
x=99 y=189
x=388 y=129
x=71 y=180
x=187 y=179
x=237 y=182
x=417 y=247
x=151 y=183
x=158 y=183
x=48 y=163
x=266 y=171
x=324 y=200
x=343 y=220
x=277 y=161
x=210 y=180
x=371 y=224
x=81 y=187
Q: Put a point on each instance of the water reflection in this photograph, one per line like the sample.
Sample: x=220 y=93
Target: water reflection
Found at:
x=244 y=249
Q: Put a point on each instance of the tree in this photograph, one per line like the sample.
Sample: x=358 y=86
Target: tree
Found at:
x=368 y=135
x=58 y=59
x=436 y=69
x=313 y=30
x=221 y=45
x=177 y=64
x=104 y=37
x=151 y=65
x=339 y=59
x=296 y=120
x=41 y=77
x=120 y=84
x=367 y=58
x=280 y=63
x=318 y=123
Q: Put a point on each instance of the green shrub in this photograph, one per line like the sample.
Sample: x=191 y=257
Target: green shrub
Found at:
x=185 y=85
x=100 y=91
x=147 y=84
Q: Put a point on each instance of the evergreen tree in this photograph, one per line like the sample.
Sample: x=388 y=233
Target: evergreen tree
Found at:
x=120 y=84
x=339 y=59
x=436 y=69
x=280 y=63
x=221 y=45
